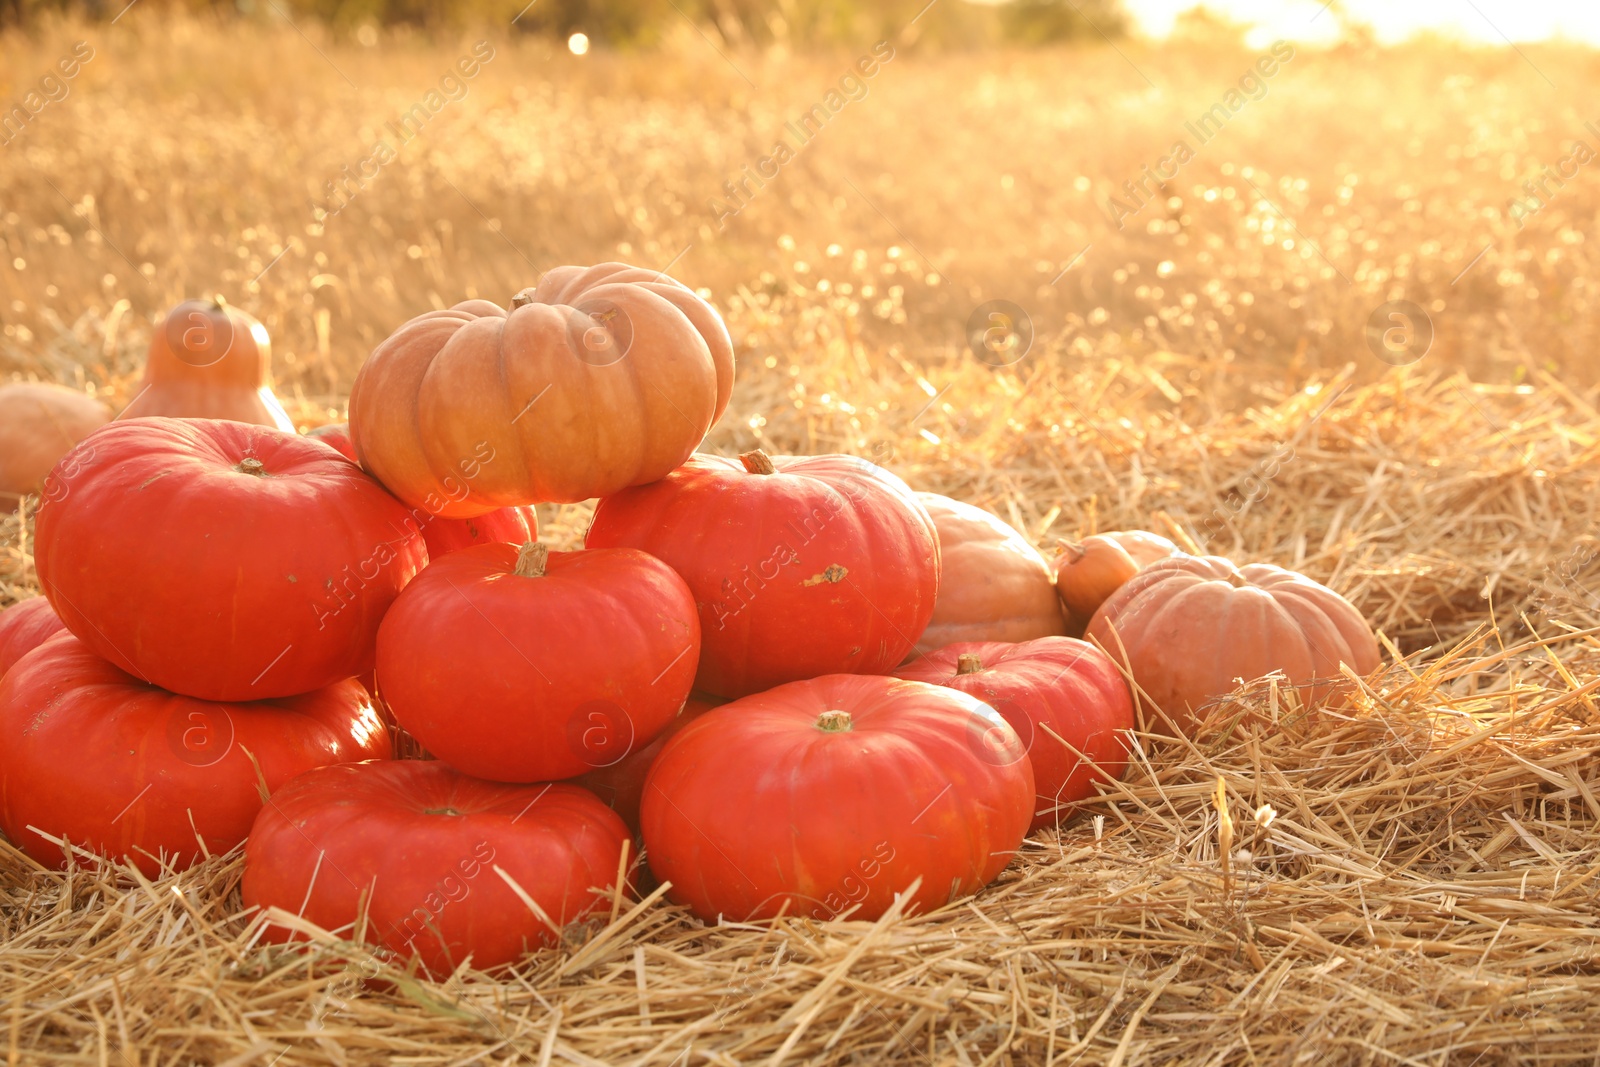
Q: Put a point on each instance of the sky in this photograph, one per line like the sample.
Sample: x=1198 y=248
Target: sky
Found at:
x=1485 y=21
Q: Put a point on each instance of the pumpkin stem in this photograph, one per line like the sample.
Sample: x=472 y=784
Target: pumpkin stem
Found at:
x=522 y=299
x=531 y=561
x=968 y=663
x=1073 y=550
x=834 y=722
x=757 y=462
x=1237 y=580
x=440 y=811
x=251 y=465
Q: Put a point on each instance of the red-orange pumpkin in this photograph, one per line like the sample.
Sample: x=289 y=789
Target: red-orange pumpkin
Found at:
x=1065 y=699
x=836 y=794
x=621 y=784
x=1090 y=570
x=434 y=863
x=529 y=665
x=800 y=565
x=39 y=423
x=1188 y=629
x=97 y=757
x=993 y=584
x=597 y=379
x=25 y=626
x=209 y=360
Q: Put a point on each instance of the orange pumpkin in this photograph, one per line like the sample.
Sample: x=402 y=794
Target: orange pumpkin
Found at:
x=1189 y=628
x=597 y=379
x=39 y=423
x=209 y=360
x=1090 y=570
x=993 y=584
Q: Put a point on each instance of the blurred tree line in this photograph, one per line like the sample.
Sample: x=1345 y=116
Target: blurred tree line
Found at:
x=641 y=23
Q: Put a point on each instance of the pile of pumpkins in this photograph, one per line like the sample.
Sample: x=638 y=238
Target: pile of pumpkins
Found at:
x=791 y=684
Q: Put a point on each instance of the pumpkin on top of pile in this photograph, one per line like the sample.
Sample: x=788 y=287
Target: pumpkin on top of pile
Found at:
x=805 y=688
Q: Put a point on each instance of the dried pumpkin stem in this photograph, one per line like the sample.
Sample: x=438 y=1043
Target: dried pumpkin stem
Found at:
x=532 y=560
x=522 y=299
x=757 y=462
x=251 y=465
x=1237 y=580
x=968 y=663
x=1073 y=550
x=834 y=722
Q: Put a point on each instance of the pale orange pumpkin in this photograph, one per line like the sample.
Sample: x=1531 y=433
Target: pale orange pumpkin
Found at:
x=209 y=360
x=1090 y=570
x=1189 y=628
x=39 y=423
x=993 y=584
x=597 y=379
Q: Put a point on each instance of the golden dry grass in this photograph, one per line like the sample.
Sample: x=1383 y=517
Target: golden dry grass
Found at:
x=1425 y=891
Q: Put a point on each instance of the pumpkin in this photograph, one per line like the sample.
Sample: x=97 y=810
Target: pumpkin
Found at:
x=24 y=627
x=39 y=423
x=526 y=665
x=514 y=526
x=96 y=757
x=431 y=863
x=1090 y=570
x=1189 y=628
x=1065 y=699
x=594 y=380
x=993 y=584
x=221 y=560
x=800 y=566
x=834 y=794
x=621 y=784
x=209 y=360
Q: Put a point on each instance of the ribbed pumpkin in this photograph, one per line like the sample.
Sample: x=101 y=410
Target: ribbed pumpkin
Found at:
x=596 y=379
x=209 y=360
x=993 y=584
x=39 y=423
x=1090 y=570
x=1188 y=629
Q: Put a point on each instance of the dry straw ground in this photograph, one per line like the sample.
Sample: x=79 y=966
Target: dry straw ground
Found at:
x=1411 y=880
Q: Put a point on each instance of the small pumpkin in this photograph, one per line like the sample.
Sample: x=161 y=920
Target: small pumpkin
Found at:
x=800 y=566
x=39 y=423
x=596 y=379
x=1090 y=570
x=209 y=360
x=512 y=526
x=25 y=626
x=1189 y=628
x=621 y=784
x=526 y=665
x=1066 y=700
x=434 y=864
x=90 y=754
x=993 y=584
x=834 y=794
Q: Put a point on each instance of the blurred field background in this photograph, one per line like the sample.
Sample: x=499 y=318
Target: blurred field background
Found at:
x=1455 y=499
